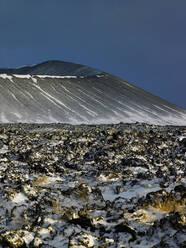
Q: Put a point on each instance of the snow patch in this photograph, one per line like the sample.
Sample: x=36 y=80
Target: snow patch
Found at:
x=19 y=198
x=100 y=75
x=138 y=190
x=28 y=237
x=22 y=76
x=5 y=76
x=49 y=76
x=181 y=137
x=34 y=80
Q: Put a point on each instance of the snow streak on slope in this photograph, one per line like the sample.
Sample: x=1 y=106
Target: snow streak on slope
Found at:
x=94 y=98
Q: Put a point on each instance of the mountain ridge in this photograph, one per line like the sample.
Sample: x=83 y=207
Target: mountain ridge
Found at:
x=53 y=67
x=63 y=92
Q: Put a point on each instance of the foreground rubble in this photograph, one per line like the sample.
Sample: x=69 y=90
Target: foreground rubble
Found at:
x=92 y=186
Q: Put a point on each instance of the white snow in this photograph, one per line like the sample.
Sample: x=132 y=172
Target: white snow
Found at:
x=22 y=76
x=108 y=178
x=34 y=80
x=28 y=237
x=96 y=104
x=13 y=95
x=44 y=233
x=100 y=75
x=171 y=109
x=89 y=239
x=140 y=189
x=51 y=98
x=90 y=112
x=28 y=76
x=19 y=198
x=18 y=115
x=49 y=76
x=65 y=88
x=5 y=76
x=50 y=220
x=162 y=109
x=181 y=137
x=4 y=149
x=3 y=118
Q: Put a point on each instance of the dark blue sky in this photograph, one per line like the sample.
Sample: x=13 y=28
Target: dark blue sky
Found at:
x=141 y=41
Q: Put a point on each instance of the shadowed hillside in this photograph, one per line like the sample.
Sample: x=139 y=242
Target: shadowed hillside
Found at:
x=64 y=92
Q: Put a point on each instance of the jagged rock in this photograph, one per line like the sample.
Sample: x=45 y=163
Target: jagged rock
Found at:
x=92 y=186
x=12 y=239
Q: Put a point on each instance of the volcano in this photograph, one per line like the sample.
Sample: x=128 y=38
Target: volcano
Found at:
x=63 y=92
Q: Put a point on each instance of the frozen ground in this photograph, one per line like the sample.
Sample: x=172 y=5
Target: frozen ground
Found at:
x=92 y=186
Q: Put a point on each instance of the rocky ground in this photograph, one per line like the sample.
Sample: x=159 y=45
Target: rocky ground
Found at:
x=92 y=186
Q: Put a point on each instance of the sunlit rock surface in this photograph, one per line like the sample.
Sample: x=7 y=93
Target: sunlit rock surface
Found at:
x=61 y=92
x=92 y=186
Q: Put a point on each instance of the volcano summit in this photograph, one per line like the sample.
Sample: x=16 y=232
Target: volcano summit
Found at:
x=63 y=92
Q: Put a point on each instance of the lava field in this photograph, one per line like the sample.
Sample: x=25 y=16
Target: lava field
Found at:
x=119 y=185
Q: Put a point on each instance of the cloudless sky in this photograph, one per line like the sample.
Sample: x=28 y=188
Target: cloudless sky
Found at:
x=141 y=41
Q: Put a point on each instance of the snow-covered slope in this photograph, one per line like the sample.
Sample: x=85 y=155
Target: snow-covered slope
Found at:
x=64 y=92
